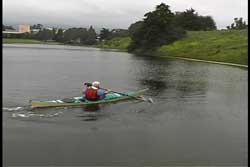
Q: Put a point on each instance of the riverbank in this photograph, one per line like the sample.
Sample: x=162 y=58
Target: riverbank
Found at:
x=26 y=41
x=220 y=46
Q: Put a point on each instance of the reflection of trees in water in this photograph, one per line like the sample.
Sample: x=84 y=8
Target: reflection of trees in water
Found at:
x=153 y=74
x=155 y=86
x=187 y=86
x=191 y=80
x=160 y=75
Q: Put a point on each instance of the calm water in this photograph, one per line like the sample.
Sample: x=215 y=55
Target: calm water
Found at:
x=199 y=115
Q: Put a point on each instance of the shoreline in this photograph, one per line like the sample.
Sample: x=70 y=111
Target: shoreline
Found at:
x=122 y=50
x=207 y=61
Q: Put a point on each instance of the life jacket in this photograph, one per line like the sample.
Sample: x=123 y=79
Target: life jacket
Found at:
x=91 y=94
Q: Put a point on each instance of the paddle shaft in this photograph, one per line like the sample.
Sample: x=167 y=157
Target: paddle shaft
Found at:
x=122 y=94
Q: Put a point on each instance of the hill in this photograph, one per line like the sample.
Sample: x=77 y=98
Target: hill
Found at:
x=229 y=46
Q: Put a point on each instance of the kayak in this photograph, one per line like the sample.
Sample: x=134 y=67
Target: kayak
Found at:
x=81 y=101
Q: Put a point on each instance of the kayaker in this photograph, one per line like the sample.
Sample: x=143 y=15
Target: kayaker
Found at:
x=94 y=92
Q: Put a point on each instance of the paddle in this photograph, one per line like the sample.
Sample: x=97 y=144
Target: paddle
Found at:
x=138 y=98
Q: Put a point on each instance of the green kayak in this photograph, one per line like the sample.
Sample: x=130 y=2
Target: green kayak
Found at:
x=80 y=101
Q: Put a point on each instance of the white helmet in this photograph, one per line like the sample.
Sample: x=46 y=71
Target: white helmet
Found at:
x=95 y=84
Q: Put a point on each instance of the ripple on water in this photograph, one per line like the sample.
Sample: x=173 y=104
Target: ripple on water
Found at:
x=34 y=115
x=12 y=108
x=26 y=112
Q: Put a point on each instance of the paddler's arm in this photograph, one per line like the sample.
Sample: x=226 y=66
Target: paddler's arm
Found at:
x=101 y=93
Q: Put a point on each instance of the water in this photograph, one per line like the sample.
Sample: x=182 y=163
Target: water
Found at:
x=199 y=114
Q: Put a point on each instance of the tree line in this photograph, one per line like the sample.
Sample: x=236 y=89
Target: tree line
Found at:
x=69 y=36
x=162 y=26
x=5 y=27
x=158 y=27
x=85 y=36
x=238 y=24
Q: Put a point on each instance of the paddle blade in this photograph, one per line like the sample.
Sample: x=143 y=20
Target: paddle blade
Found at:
x=151 y=100
x=143 y=98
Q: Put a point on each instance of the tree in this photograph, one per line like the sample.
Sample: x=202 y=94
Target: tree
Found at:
x=104 y=33
x=190 y=20
x=54 y=33
x=91 y=36
x=37 y=26
x=206 y=23
x=119 y=33
x=156 y=29
x=107 y=34
x=238 y=24
x=77 y=36
x=135 y=27
x=44 y=35
x=59 y=36
x=80 y=35
x=7 y=28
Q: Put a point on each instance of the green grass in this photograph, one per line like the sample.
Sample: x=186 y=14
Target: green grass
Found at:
x=229 y=46
x=25 y=41
x=120 y=43
x=13 y=40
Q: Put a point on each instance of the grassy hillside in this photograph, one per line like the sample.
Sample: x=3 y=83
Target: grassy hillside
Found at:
x=230 y=46
x=116 y=43
x=224 y=46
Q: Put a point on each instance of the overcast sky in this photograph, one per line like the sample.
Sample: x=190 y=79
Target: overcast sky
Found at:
x=112 y=13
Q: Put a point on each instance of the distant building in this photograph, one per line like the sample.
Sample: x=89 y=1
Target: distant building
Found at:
x=24 y=28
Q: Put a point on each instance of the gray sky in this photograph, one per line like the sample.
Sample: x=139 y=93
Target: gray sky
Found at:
x=112 y=13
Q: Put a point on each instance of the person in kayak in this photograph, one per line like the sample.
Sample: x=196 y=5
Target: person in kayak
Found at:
x=94 y=92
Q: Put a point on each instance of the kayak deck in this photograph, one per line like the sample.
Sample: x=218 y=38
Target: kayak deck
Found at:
x=80 y=101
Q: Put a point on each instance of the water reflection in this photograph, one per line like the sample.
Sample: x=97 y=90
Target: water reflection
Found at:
x=91 y=113
x=191 y=80
x=153 y=84
x=91 y=108
x=89 y=117
x=184 y=78
x=153 y=74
